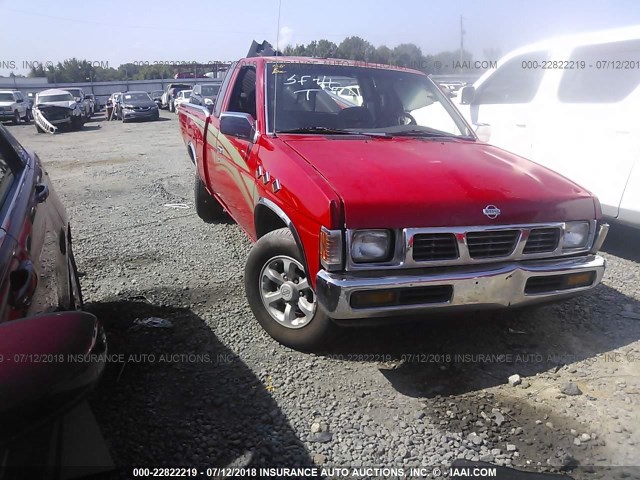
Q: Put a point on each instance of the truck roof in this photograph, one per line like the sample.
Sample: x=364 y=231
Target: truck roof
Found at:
x=326 y=61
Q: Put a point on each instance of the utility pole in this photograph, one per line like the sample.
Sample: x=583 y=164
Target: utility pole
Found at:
x=462 y=32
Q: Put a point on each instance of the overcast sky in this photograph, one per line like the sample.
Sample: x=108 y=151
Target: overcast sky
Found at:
x=117 y=31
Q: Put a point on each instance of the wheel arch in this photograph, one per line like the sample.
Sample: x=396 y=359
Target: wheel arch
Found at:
x=269 y=217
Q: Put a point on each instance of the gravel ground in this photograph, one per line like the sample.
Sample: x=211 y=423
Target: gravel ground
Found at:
x=213 y=389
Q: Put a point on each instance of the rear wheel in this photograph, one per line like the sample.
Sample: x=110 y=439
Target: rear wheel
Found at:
x=38 y=129
x=171 y=106
x=207 y=207
x=280 y=295
x=16 y=118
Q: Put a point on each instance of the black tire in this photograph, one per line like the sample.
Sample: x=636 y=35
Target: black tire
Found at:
x=172 y=107
x=319 y=329
x=38 y=129
x=207 y=207
x=75 y=291
x=156 y=116
x=16 y=118
x=76 y=123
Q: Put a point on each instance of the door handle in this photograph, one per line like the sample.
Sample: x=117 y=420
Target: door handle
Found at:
x=42 y=192
x=220 y=150
x=22 y=283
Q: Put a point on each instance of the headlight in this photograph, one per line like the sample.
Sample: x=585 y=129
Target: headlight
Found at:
x=370 y=245
x=208 y=101
x=576 y=235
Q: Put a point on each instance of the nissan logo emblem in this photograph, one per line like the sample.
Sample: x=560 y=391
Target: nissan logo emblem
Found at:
x=491 y=211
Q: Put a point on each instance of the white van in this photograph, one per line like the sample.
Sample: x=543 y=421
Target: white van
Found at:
x=571 y=104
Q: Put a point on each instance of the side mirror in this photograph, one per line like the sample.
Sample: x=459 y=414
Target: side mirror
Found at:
x=237 y=124
x=467 y=94
x=483 y=132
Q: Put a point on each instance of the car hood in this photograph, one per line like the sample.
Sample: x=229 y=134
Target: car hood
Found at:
x=404 y=182
x=68 y=104
x=5 y=104
x=140 y=103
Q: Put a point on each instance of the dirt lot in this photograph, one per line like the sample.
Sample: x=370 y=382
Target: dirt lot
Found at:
x=214 y=390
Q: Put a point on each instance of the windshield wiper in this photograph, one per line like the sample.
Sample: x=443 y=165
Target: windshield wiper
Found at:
x=414 y=132
x=334 y=131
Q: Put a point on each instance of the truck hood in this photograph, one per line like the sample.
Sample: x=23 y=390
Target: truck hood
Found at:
x=408 y=182
x=5 y=104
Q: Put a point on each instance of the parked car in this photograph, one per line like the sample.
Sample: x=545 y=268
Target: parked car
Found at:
x=156 y=96
x=205 y=94
x=83 y=101
x=183 y=97
x=169 y=95
x=55 y=108
x=408 y=213
x=95 y=107
x=570 y=104
x=350 y=93
x=137 y=105
x=13 y=106
x=40 y=377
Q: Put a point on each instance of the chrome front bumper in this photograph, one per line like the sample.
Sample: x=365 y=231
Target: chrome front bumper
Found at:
x=473 y=287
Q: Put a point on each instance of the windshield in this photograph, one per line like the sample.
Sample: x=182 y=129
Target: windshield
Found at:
x=210 y=90
x=6 y=97
x=62 y=97
x=336 y=97
x=137 y=96
x=185 y=93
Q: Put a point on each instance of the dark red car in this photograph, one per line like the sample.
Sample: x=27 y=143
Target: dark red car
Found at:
x=385 y=206
x=43 y=339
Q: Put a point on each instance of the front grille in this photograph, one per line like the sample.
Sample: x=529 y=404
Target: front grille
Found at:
x=434 y=246
x=495 y=243
x=141 y=109
x=542 y=240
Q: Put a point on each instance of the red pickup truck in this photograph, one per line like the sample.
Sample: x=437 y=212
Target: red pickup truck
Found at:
x=380 y=204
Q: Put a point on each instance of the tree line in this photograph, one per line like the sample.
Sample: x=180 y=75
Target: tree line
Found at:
x=351 y=48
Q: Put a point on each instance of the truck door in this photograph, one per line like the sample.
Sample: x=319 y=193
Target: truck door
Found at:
x=591 y=135
x=235 y=158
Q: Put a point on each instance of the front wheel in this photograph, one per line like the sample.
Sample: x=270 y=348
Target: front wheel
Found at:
x=280 y=295
x=16 y=118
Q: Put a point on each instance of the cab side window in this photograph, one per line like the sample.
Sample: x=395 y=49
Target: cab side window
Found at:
x=604 y=78
x=9 y=162
x=243 y=95
x=223 y=90
x=516 y=81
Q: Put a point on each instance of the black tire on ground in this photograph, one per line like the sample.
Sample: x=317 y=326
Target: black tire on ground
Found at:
x=157 y=116
x=171 y=106
x=207 y=207
x=16 y=118
x=318 y=330
x=38 y=129
x=76 y=123
x=75 y=291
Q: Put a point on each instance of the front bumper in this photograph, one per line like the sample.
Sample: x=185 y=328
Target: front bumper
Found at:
x=457 y=288
x=130 y=114
x=6 y=115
